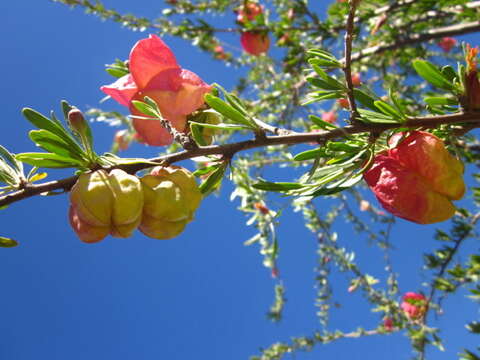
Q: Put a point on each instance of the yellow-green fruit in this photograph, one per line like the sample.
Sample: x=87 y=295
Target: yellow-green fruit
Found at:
x=213 y=119
x=105 y=203
x=171 y=197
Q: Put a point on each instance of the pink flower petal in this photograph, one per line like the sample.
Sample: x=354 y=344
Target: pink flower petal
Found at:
x=121 y=90
x=177 y=91
x=148 y=58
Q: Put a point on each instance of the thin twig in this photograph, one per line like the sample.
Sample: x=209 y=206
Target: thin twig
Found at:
x=431 y=34
x=348 y=60
x=443 y=269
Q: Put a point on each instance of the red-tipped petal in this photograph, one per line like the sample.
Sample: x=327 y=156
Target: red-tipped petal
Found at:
x=86 y=232
x=121 y=90
x=148 y=58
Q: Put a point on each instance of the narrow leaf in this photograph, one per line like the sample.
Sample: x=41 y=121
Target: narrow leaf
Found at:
x=47 y=160
x=7 y=242
x=54 y=144
x=228 y=111
x=430 y=72
x=279 y=186
x=213 y=180
x=145 y=108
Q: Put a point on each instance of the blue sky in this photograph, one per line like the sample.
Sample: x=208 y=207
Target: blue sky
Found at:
x=202 y=295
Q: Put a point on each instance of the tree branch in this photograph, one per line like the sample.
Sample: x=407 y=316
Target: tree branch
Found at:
x=30 y=190
x=437 y=33
x=347 y=69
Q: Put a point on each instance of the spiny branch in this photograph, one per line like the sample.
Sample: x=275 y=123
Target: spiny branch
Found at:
x=231 y=149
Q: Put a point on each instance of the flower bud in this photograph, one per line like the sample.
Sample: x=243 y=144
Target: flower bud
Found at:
x=414 y=305
x=364 y=205
x=417 y=179
x=121 y=139
x=104 y=203
x=77 y=121
x=171 y=198
x=255 y=43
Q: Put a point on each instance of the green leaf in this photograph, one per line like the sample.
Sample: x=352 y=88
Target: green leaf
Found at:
x=229 y=111
x=364 y=99
x=444 y=285
x=325 y=63
x=322 y=123
x=54 y=144
x=375 y=117
x=7 y=242
x=440 y=101
x=318 y=96
x=449 y=73
x=398 y=105
x=213 y=180
x=233 y=100
x=330 y=80
x=42 y=122
x=116 y=72
x=196 y=132
x=145 y=108
x=468 y=355
x=48 y=160
x=341 y=146
x=325 y=56
x=388 y=110
x=323 y=84
x=430 y=72
x=309 y=154
x=205 y=170
x=228 y=127
x=278 y=186
x=474 y=327
x=66 y=107
x=10 y=159
x=339 y=186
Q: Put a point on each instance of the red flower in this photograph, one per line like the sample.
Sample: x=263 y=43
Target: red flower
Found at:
x=255 y=43
x=414 y=305
x=472 y=83
x=262 y=208
x=344 y=103
x=154 y=72
x=388 y=323
x=329 y=116
x=447 y=43
x=250 y=11
x=417 y=179
x=356 y=79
